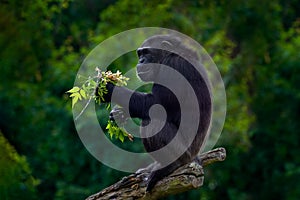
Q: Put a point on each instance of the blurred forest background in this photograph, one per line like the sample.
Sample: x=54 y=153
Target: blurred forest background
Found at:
x=255 y=44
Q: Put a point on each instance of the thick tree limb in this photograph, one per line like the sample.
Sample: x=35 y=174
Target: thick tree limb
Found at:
x=185 y=178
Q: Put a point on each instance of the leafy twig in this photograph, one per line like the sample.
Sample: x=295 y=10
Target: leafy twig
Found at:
x=95 y=88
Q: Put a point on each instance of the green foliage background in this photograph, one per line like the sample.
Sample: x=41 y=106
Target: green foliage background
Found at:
x=254 y=43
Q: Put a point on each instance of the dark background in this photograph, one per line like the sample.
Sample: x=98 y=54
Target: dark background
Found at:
x=255 y=44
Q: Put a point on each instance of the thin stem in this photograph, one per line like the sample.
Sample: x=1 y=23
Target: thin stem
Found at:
x=84 y=108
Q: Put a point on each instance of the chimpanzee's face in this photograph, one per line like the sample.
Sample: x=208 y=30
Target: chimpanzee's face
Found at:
x=147 y=68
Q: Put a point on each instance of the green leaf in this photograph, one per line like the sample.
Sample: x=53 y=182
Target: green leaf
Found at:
x=84 y=87
x=74 y=100
x=108 y=125
x=111 y=134
x=74 y=94
x=79 y=96
x=121 y=137
x=83 y=93
x=116 y=131
x=93 y=83
x=74 y=89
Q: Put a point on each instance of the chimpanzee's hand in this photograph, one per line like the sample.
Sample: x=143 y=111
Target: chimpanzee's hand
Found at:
x=118 y=114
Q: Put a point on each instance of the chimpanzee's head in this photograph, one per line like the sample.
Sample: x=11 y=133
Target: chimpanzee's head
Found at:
x=152 y=52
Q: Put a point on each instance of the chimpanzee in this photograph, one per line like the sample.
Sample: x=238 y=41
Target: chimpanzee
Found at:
x=163 y=59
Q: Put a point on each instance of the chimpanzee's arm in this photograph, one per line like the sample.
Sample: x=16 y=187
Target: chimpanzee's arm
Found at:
x=138 y=105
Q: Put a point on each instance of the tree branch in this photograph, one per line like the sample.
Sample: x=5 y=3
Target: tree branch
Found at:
x=185 y=178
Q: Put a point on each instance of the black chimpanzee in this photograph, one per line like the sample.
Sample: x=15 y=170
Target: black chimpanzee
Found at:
x=156 y=52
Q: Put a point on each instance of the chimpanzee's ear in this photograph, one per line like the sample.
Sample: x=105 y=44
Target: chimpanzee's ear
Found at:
x=166 y=45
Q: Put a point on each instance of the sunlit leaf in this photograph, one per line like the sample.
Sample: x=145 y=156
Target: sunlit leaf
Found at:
x=74 y=94
x=121 y=137
x=83 y=93
x=74 y=100
x=74 y=89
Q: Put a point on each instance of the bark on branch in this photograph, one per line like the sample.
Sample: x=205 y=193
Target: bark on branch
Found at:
x=187 y=177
